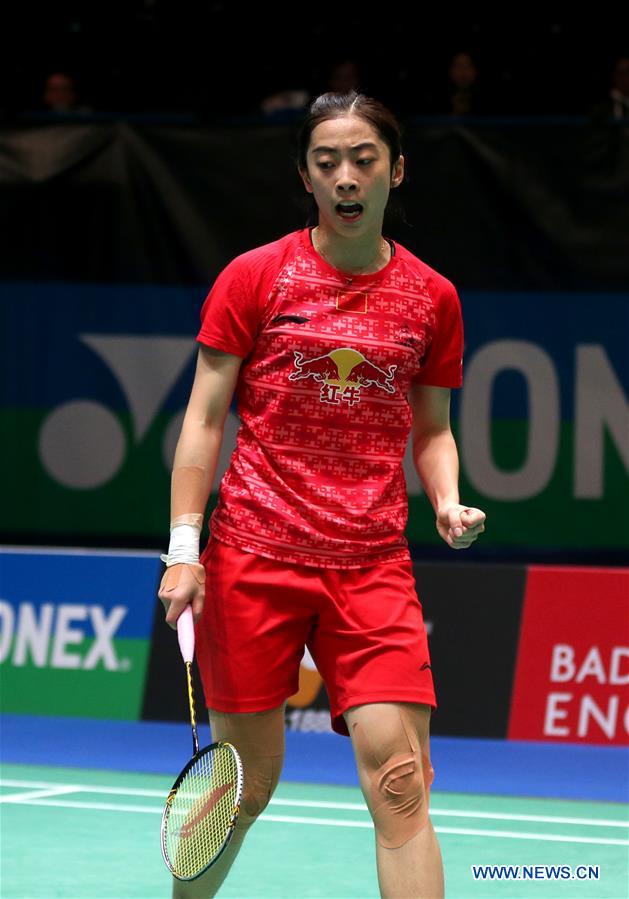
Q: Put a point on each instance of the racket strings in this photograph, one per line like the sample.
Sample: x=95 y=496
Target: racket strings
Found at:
x=201 y=812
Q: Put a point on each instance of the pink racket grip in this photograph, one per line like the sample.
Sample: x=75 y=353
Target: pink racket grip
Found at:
x=185 y=634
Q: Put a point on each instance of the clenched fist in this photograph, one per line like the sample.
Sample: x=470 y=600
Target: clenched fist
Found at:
x=459 y=525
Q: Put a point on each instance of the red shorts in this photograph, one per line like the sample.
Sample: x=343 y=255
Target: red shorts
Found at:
x=364 y=629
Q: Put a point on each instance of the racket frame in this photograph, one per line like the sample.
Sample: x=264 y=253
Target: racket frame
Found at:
x=173 y=793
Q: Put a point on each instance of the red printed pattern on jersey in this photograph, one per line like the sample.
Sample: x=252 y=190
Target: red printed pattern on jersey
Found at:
x=316 y=477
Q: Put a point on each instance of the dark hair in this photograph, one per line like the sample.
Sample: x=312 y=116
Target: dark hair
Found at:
x=334 y=104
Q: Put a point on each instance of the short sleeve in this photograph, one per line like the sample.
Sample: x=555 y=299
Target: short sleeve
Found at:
x=230 y=315
x=443 y=363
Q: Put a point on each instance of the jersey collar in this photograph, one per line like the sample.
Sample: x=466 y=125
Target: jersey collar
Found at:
x=348 y=277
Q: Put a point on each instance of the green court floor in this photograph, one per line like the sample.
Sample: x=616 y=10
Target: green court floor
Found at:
x=87 y=834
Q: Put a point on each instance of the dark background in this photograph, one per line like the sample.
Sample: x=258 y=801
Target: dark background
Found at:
x=215 y=59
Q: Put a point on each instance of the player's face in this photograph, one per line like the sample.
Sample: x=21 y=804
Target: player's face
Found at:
x=349 y=163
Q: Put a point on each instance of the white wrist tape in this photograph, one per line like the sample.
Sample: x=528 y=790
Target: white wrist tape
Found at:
x=183 y=546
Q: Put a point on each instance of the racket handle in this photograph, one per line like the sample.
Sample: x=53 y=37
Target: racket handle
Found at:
x=185 y=634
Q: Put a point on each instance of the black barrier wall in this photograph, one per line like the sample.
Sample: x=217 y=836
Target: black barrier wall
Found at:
x=502 y=205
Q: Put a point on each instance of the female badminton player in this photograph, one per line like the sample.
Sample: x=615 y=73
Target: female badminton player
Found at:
x=340 y=344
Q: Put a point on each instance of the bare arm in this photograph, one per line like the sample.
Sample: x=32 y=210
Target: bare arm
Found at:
x=437 y=463
x=201 y=435
x=434 y=450
x=194 y=469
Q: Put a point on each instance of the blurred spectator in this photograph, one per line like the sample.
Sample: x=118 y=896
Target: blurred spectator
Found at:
x=285 y=100
x=60 y=95
x=463 y=94
x=616 y=105
x=344 y=76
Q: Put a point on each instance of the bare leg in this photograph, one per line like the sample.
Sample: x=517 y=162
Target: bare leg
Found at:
x=414 y=869
x=259 y=739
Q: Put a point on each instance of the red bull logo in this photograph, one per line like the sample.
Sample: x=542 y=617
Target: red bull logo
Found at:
x=342 y=373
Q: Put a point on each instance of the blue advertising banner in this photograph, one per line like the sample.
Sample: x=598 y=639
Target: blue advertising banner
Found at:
x=96 y=379
x=75 y=630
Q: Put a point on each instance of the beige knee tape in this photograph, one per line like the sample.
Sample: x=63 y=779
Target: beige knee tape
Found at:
x=400 y=784
x=259 y=787
x=259 y=739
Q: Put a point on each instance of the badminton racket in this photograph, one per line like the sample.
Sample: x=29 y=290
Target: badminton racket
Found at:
x=203 y=805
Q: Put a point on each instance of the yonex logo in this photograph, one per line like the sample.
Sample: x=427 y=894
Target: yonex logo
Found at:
x=51 y=636
x=82 y=444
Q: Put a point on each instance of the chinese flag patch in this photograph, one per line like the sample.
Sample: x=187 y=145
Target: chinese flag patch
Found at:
x=351 y=301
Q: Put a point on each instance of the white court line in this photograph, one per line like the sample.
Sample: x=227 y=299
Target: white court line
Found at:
x=516 y=835
x=315 y=803
x=542 y=837
x=459 y=813
x=86 y=788
x=38 y=794
x=97 y=806
x=544 y=819
x=333 y=822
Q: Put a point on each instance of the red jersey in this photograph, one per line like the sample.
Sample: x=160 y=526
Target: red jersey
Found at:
x=316 y=477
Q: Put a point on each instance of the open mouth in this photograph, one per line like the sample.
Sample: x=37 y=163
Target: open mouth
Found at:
x=349 y=211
